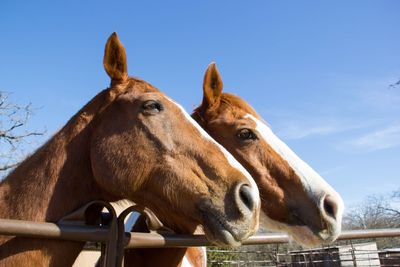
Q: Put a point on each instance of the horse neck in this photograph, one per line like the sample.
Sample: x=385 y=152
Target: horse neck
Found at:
x=57 y=178
x=152 y=256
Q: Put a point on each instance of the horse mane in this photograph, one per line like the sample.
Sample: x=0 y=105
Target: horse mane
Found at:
x=234 y=102
x=227 y=101
x=95 y=106
x=45 y=169
x=99 y=103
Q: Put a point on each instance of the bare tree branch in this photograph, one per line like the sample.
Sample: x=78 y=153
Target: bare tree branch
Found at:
x=7 y=167
x=374 y=212
x=14 y=132
x=394 y=211
x=393 y=85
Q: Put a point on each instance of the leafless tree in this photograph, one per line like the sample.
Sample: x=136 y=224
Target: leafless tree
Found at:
x=377 y=211
x=13 y=131
x=394 y=207
x=374 y=212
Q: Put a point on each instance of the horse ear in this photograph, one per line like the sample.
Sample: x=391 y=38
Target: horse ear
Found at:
x=212 y=86
x=115 y=59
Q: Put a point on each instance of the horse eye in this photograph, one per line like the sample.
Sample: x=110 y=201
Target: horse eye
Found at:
x=246 y=135
x=152 y=107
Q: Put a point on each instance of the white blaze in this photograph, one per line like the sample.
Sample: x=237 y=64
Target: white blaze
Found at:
x=232 y=161
x=313 y=183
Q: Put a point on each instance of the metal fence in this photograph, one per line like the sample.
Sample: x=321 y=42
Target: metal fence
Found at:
x=322 y=257
x=354 y=252
x=110 y=232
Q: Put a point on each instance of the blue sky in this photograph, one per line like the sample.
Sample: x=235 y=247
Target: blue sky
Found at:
x=317 y=71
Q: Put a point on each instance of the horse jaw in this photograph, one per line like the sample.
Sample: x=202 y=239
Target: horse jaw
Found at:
x=302 y=235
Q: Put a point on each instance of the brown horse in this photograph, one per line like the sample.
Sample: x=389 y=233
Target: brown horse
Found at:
x=129 y=142
x=295 y=199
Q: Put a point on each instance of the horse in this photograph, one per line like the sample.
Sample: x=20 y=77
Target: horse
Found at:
x=295 y=199
x=129 y=142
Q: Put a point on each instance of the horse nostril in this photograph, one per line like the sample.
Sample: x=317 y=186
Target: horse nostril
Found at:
x=246 y=196
x=330 y=206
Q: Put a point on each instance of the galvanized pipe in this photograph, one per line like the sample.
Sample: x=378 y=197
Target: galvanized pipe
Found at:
x=151 y=240
x=53 y=231
x=143 y=240
x=370 y=233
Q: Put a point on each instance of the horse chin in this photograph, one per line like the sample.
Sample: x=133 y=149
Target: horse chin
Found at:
x=222 y=237
x=219 y=231
x=302 y=235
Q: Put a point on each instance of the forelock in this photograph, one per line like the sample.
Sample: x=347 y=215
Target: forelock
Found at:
x=236 y=105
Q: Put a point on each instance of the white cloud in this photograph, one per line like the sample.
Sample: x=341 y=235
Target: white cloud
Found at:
x=380 y=96
x=356 y=107
x=293 y=130
x=377 y=140
x=333 y=170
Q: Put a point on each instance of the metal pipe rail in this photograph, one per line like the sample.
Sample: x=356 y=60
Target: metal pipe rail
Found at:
x=136 y=240
x=147 y=240
x=53 y=231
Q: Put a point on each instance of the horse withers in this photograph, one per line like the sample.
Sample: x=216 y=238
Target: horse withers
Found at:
x=129 y=142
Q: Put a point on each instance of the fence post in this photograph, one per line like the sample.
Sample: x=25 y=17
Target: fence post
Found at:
x=80 y=216
x=353 y=255
x=277 y=255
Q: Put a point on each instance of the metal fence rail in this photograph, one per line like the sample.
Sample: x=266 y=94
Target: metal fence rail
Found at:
x=327 y=256
x=370 y=262
x=147 y=240
x=109 y=230
x=53 y=231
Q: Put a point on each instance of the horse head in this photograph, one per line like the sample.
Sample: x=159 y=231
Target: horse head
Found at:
x=147 y=148
x=295 y=198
